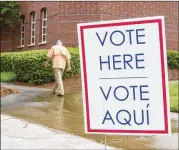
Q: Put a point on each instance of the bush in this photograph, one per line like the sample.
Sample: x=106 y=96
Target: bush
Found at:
x=7 y=61
x=28 y=65
x=8 y=76
x=173 y=59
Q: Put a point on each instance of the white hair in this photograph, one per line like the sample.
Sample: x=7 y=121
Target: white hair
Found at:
x=59 y=42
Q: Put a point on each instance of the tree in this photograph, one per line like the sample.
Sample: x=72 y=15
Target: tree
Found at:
x=9 y=13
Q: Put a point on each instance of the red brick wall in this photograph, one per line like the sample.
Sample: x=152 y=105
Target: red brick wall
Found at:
x=120 y=10
x=27 y=8
x=71 y=13
x=6 y=38
x=63 y=17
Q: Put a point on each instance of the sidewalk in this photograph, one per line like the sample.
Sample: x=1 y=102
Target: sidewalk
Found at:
x=20 y=134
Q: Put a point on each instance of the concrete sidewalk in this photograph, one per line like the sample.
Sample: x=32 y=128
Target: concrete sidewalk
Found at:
x=20 y=134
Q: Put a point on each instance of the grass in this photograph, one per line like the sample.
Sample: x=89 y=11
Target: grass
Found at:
x=7 y=76
x=173 y=88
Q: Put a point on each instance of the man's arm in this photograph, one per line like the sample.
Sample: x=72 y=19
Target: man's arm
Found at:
x=47 y=60
x=68 y=65
x=68 y=57
x=49 y=56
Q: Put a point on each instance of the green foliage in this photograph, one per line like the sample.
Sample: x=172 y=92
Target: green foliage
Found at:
x=173 y=59
x=10 y=12
x=28 y=65
x=8 y=76
x=173 y=89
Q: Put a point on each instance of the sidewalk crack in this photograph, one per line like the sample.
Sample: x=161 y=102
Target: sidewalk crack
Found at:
x=26 y=125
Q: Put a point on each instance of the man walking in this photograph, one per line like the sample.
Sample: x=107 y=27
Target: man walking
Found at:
x=60 y=56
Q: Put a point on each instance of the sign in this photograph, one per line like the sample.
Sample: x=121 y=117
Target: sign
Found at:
x=124 y=76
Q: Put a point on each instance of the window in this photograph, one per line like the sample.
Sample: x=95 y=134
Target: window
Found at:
x=32 y=19
x=22 y=30
x=44 y=25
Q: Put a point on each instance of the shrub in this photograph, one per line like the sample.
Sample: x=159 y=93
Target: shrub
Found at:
x=8 y=76
x=173 y=59
x=28 y=65
x=7 y=63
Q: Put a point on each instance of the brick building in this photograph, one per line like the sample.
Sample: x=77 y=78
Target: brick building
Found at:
x=44 y=22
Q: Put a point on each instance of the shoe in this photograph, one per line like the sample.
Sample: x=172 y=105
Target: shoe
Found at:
x=60 y=94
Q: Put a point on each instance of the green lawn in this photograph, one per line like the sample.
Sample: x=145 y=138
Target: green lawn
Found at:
x=173 y=88
x=7 y=76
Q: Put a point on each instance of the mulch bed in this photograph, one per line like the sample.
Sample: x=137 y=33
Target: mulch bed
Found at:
x=7 y=91
x=69 y=84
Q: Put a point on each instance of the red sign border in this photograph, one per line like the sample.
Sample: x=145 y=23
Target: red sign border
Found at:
x=159 y=22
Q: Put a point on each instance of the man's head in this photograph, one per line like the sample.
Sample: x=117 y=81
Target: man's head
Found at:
x=58 y=42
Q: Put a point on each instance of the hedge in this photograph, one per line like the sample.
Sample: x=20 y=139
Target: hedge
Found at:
x=27 y=65
x=173 y=59
x=8 y=76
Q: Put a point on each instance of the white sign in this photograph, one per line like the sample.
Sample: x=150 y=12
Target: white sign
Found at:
x=124 y=76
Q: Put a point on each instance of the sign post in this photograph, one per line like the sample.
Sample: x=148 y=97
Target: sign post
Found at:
x=124 y=76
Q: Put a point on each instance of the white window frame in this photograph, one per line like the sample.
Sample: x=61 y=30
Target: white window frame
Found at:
x=32 y=29
x=43 y=26
x=22 y=32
